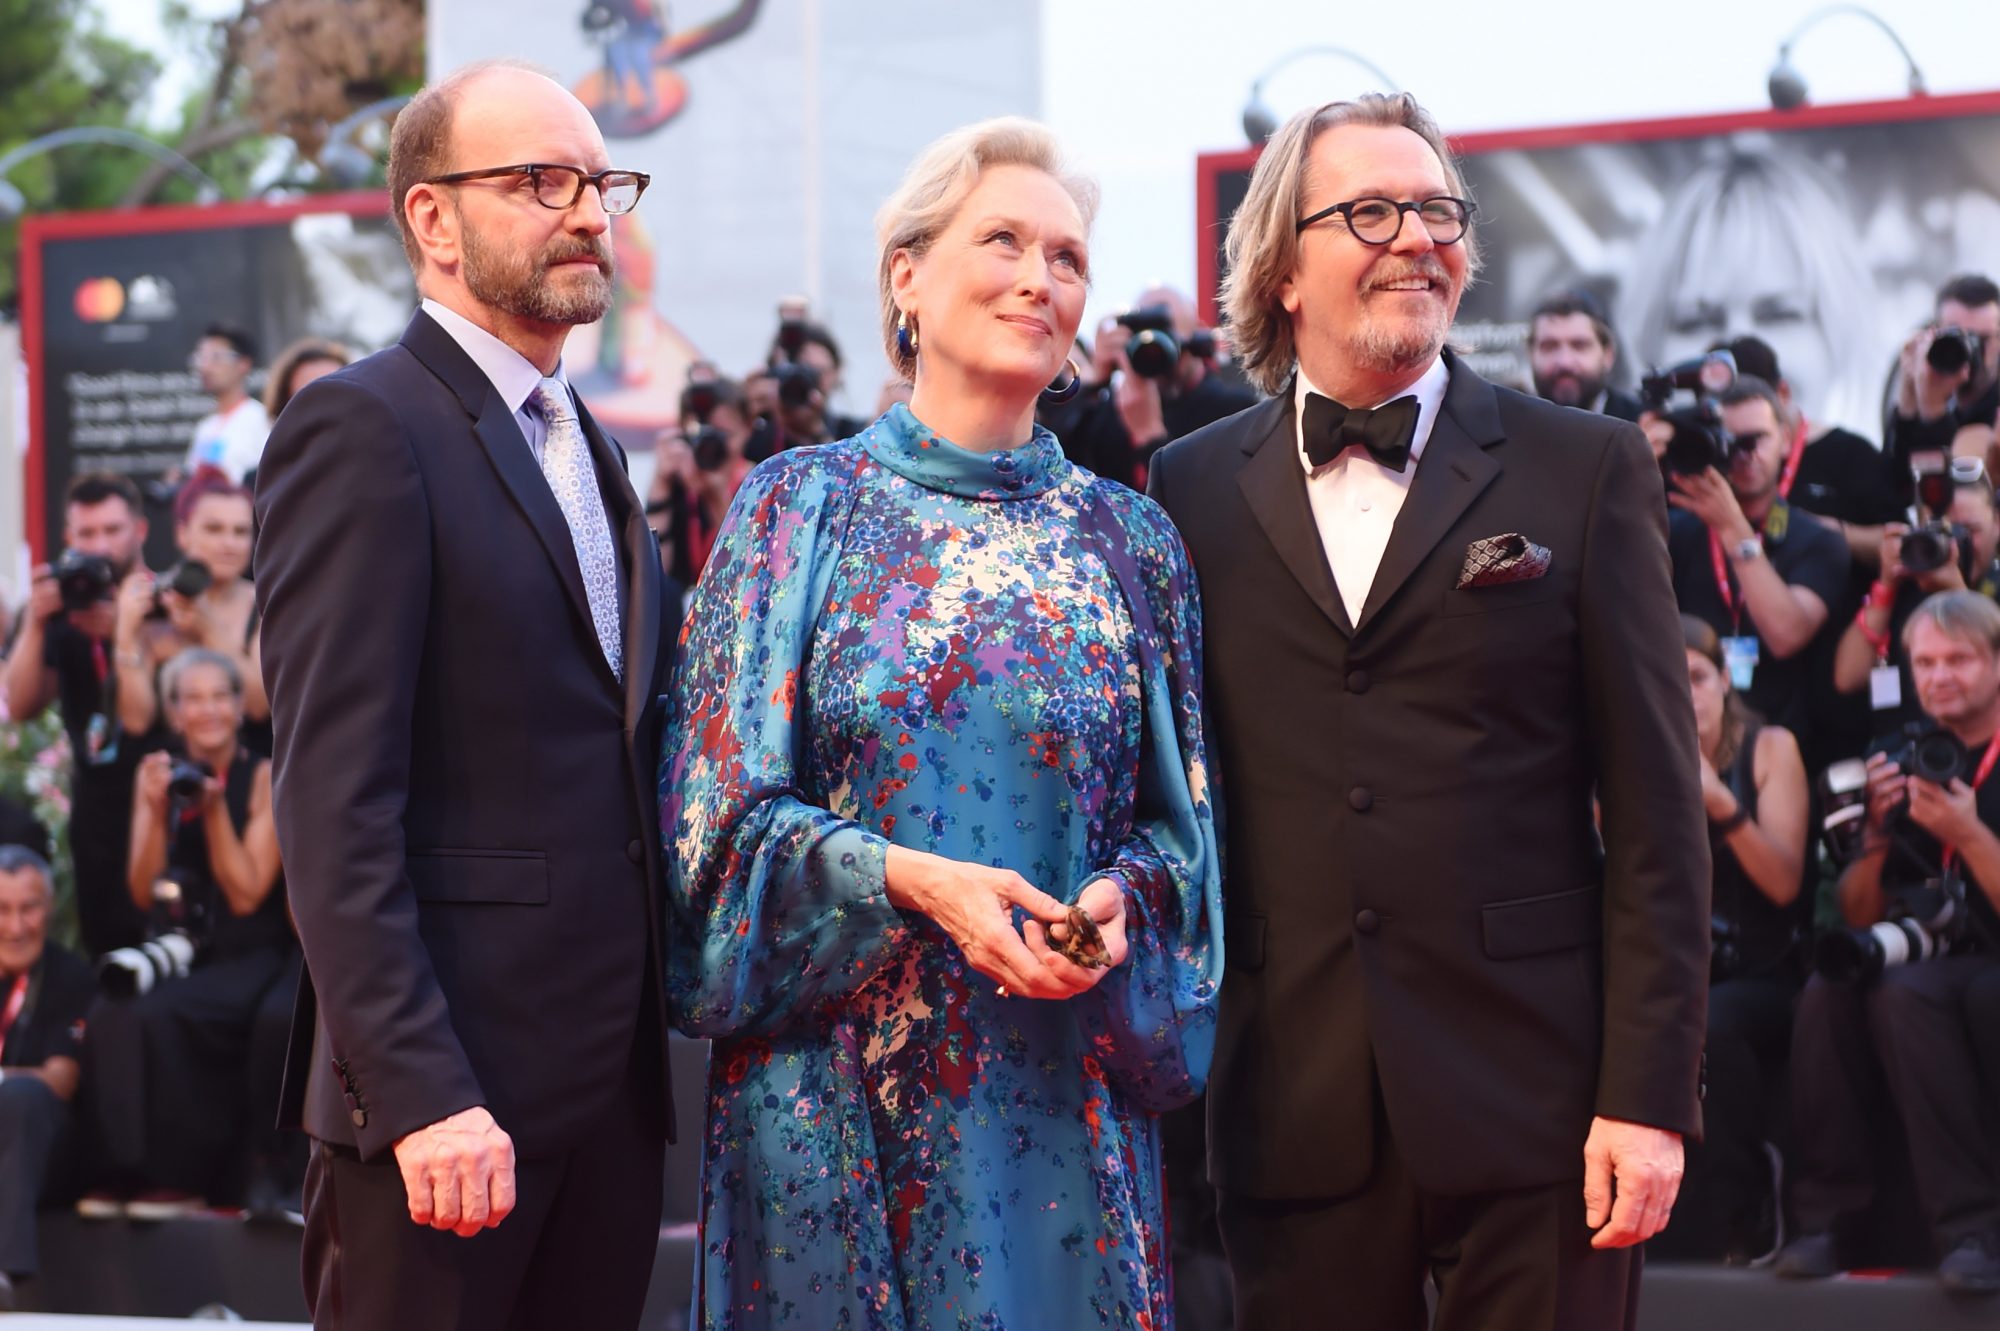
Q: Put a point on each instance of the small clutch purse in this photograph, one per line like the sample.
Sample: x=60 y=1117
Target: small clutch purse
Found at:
x=1080 y=940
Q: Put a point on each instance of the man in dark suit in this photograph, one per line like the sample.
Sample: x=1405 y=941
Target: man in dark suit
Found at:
x=1460 y=1035
x=462 y=644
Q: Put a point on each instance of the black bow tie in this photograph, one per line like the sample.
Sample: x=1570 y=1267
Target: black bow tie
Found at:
x=1385 y=431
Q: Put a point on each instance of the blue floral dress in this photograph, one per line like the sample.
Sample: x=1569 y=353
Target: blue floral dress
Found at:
x=899 y=641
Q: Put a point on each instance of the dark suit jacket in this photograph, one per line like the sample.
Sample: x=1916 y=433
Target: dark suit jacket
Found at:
x=1414 y=889
x=464 y=793
x=1622 y=405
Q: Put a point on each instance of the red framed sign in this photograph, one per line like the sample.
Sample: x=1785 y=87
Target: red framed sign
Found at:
x=113 y=302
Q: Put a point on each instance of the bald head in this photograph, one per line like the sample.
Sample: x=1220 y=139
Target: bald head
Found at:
x=491 y=100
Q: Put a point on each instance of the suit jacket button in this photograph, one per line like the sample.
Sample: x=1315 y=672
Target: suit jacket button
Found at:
x=1360 y=800
x=1367 y=922
x=635 y=853
x=360 y=1117
x=1357 y=681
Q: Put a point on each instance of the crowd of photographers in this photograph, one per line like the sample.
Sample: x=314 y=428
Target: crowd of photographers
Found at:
x=141 y=1082
x=1843 y=653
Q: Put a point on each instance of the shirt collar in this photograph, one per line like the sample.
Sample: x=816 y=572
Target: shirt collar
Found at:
x=512 y=375
x=1428 y=390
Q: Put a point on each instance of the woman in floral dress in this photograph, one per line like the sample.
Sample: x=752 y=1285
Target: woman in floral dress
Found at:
x=938 y=684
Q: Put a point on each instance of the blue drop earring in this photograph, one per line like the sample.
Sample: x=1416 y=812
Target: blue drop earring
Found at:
x=1060 y=392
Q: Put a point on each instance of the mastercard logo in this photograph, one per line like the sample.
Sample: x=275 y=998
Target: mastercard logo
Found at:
x=99 y=300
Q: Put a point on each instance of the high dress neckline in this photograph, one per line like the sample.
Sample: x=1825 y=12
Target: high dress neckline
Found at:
x=914 y=451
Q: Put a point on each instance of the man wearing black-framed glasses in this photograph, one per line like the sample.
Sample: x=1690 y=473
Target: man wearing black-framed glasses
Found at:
x=462 y=642
x=1459 y=1036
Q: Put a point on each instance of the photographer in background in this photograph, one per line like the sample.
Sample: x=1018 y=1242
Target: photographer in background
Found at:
x=65 y=651
x=1954 y=551
x=697 y=467
x=206 y=600
x=1948 y=377
x=1755 y=569
x=807 y=345
x=45 y=992
x=1753 y=785
x=1881 y=1023
x=1571 y=352
x=1843 y=480
x=787 y=410
x=187 y=1047
x=1151 y=378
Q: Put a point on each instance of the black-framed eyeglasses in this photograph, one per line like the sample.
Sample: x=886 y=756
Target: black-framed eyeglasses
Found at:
x=559 y=187
x=1377 y=221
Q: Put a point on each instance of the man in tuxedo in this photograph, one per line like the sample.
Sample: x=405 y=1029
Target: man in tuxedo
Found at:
x=462 y=643
x=1460 y=1033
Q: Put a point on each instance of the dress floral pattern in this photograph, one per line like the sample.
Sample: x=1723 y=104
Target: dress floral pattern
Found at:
x=899 y=641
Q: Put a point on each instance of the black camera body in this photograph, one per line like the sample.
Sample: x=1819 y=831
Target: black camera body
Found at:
x=711 y=448
x=83 y=579
x=1152 y=351
x=1953 y=348
x=796 y=384
x=1931 y=546
x=189 y=578
x=1928 y=750
x=187 y=779
x=1699 y=440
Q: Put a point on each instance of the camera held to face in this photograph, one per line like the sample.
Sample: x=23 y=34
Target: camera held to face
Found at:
x=83 y=579
x=1953 y=349
x=1931 y=546
x=1153 y=351
x=1699 y=441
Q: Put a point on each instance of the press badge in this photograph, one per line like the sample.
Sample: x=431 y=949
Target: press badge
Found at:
x=1885 y=688
x=1739 y=658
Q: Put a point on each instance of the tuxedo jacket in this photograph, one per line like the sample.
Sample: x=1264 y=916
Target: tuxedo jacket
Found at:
x=1416 y=893
x=463 y=789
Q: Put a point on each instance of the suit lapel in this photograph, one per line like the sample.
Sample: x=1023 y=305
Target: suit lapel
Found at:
x=1273 y=482
x=1454 y=471
x=500 y=435
x=642 y=565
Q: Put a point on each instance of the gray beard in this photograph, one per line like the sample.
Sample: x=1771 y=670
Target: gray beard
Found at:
x=520 y=286
x=1380 y=349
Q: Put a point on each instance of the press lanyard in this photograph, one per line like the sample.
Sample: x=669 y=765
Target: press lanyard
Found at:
x=1791 y=472
x=1978 y=780
x=1724 y=587
x=12 y=1013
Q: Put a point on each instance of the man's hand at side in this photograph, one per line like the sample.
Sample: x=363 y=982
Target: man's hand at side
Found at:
x=459 y=1172
x=1631 y=1175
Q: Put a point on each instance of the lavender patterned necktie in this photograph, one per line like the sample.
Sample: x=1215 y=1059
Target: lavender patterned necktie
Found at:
x=566 y=463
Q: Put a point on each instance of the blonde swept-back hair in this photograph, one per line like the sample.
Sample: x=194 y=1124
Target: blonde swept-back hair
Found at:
x=937 y=183
x=1263 y=243
x=1964 y=615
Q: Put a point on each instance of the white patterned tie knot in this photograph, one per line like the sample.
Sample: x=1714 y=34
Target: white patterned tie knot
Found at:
x=566 y=463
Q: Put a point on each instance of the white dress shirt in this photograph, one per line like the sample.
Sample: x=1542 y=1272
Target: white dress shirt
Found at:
x=513 y=376
x=1354 y=498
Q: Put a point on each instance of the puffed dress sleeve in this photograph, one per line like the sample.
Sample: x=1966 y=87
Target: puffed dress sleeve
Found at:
x=1151 y=1021
x=777 y=906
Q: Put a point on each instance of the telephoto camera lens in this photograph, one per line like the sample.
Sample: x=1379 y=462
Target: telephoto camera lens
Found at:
x=83 y=579
x=1856 y=956
x=132 y=971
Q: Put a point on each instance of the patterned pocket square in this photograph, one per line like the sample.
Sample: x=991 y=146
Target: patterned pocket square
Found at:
x=1495 y=561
